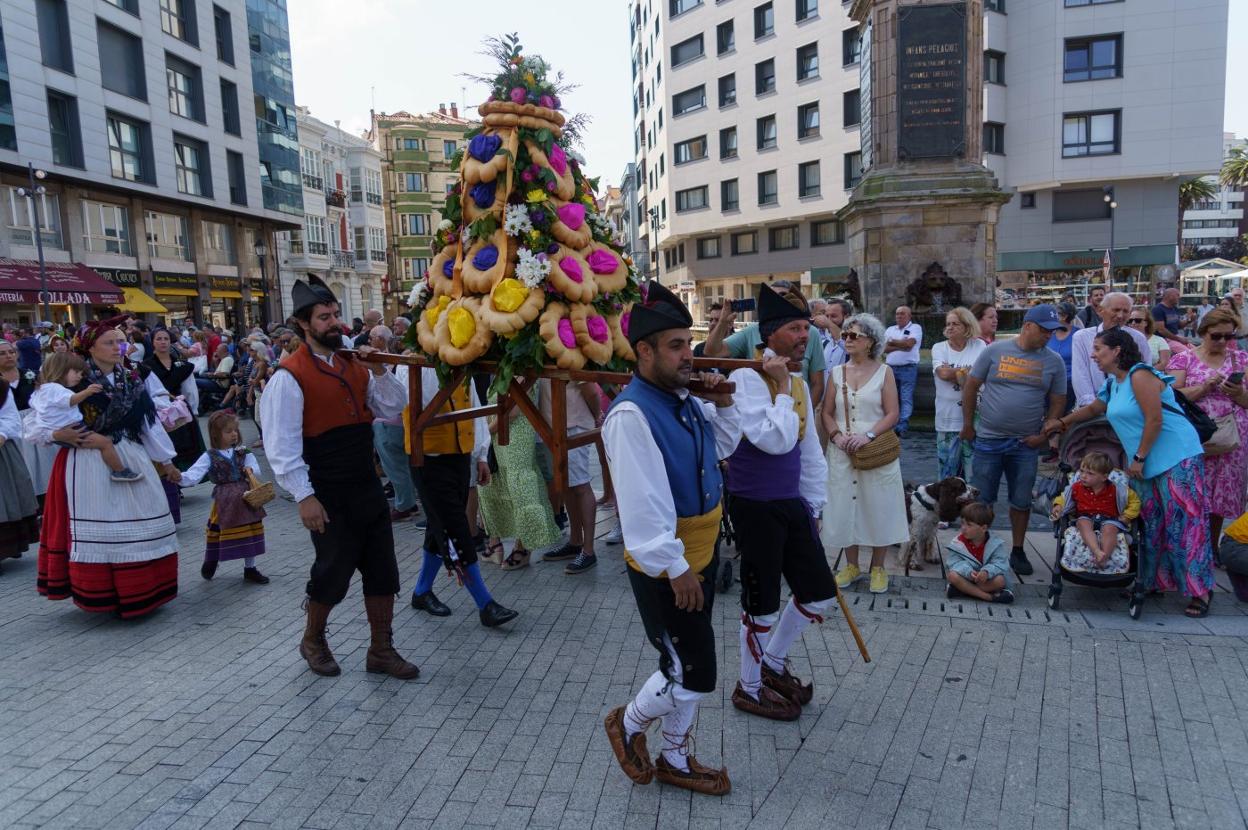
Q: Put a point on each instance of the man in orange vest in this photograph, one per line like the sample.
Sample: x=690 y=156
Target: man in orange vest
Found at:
x=317 y=413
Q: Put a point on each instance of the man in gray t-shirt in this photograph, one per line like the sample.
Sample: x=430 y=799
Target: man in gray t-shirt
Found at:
x=1014 y=386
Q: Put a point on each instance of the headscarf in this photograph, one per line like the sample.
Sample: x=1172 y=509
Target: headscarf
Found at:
x=92 y=331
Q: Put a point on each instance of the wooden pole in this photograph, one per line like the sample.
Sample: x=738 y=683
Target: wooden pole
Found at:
x=853 y=627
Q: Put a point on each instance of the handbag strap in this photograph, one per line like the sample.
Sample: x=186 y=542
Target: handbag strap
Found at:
x=845 y=394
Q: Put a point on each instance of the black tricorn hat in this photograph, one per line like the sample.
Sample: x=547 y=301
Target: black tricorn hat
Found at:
x=307 y=294
x=661 y=311
x=774 y=308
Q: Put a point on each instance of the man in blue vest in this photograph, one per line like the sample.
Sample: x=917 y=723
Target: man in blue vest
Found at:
x=777 y=480
x=663 y=449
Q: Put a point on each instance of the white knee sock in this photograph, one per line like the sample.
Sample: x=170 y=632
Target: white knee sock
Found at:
x=792 y=623
x=654 y=701
x=678 y=726
x=249 y=562
x=755 y=633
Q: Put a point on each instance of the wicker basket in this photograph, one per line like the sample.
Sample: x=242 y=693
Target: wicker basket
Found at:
x=261 y=492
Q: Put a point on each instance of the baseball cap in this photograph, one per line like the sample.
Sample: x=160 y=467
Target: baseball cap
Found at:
x=1044 y=316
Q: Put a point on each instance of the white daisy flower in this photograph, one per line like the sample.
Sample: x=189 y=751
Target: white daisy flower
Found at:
x=445 y=225
x=530 y=269
x=516 y=220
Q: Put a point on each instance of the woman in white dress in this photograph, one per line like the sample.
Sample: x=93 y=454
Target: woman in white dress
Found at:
x=864 y=507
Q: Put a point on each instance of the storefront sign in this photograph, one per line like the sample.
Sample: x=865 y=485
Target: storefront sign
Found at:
x=224 y=284
x=117 y=276
x=931 y=81
x=1084 y=260
x=182 y=281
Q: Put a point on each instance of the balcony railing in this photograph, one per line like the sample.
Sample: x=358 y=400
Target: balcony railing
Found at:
x=335 y=197
x=313 y=182
x=377 y=256
x=373 y=198
x=344 y=259
x=321 y=248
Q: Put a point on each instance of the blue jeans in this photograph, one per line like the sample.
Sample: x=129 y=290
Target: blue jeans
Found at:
x=907 y=376
x=388 y=439
x=1008 y=456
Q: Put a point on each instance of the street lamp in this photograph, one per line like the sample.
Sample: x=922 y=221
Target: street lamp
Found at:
x=35 y=192
x=262 y=253
x=1108 y=195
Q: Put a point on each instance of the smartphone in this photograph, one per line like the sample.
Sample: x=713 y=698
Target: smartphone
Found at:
x=738 y=306
x=1236 y=378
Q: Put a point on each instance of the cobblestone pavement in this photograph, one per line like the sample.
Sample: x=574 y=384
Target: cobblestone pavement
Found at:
x=204 y=715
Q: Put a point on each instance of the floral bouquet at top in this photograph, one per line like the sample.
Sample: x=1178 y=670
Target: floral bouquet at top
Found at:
x=524 y=271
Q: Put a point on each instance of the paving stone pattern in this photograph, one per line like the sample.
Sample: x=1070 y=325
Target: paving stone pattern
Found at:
x=204 y=715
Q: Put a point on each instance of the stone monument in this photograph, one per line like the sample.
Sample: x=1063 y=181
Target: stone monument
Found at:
x=925 y=211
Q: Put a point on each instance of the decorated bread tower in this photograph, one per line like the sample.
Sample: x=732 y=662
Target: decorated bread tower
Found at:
x=525 y=271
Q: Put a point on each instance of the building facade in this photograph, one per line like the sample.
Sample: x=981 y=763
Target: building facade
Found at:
x=343 y=238
x=747 y=133
x=416 y=152
x=1211 y=224
x=633 y=219
x=136 y=111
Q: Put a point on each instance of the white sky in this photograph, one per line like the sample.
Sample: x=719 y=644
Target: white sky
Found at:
x=412 y=53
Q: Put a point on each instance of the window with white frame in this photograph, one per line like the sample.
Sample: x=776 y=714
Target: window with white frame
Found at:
x=310 y=165
x=167 y=237
x=377 y=244
x=357 y=185
x=21 y=219
x=372 y=186
x=314 y=235
x=106 y=228
x=414 y=224
x=449 y=147
x=218 y=243
x=413 y=182
x=414 y=268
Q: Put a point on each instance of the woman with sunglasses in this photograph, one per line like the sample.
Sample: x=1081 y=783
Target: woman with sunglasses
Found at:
x=1212 y=376
x=1141 y=321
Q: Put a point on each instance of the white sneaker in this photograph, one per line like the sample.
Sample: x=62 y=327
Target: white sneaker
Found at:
x=614 y=536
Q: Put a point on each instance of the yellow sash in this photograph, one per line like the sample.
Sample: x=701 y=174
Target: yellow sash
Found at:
x=699 y=534
x=797 y=391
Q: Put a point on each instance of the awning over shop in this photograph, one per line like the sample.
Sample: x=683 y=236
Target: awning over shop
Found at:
x=140 y=302
x=833 y=273
x=176 y=292
x=1132 y=257
x=69 y=283
x=225 y=295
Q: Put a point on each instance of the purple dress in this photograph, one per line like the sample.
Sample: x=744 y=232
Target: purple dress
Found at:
x=1226 y=476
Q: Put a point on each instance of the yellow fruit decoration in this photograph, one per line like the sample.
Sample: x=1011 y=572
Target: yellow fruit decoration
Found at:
x=428 y=322
x=462 y=336
x=511 y=306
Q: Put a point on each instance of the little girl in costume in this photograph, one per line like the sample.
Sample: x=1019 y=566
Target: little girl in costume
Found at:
x=235 y=529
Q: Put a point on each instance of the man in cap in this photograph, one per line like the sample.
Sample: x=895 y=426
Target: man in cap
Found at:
x=663 y=450
x=317 y=414
x=777 y=481
x=1015 y=386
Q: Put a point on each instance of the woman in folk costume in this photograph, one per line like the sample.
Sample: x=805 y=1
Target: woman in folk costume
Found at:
x=663 y=448
x=19 y=520
x=317 y=413
x=112 y=547
x=777 y=480
x=22 y=384
x=235 y=528
x=168 y=375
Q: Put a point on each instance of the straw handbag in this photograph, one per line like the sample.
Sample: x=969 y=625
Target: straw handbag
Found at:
x=260 y=492
x=880 y=450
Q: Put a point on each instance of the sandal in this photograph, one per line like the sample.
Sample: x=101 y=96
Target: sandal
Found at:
x=519 y=559
x=495 y=552
x=1198 y=607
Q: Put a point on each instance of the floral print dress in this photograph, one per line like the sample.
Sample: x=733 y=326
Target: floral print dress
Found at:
x=1226 y=476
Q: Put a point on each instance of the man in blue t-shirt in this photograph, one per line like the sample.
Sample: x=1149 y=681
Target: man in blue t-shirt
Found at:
x=29 y=351
x=1168 y=318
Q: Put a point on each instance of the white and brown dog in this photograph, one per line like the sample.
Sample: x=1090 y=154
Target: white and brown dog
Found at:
x=927 y=506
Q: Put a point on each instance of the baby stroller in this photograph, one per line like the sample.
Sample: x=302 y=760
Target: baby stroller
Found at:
x=1076 y=442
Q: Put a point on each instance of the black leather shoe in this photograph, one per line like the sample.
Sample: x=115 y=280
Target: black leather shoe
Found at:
x=254 y=575
x=494 y=615
x=428 y=602
x=208 y=570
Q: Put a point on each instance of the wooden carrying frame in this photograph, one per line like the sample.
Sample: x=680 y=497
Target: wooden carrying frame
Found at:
x=554 y=434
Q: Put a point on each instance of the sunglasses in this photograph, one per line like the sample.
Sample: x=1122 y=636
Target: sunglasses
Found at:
x=1221 y=337
x=1137 y=321
x=853 y=335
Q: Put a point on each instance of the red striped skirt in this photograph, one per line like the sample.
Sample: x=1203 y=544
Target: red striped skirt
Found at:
x=129 y=589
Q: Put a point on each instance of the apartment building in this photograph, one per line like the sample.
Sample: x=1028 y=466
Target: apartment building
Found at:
x=1208 y=225
x=155 y=175
x=343 y=238
x=747 y=133
x=416 y=152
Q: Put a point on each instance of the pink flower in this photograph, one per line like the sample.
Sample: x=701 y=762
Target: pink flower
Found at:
x=624 y=322
x=527 y=176
x=518 y=95
x=547 y=101
x=558 y=160
x=566 y=336
x=550 y=186
x=603 y=262
x=598 y=330
x=572 y=268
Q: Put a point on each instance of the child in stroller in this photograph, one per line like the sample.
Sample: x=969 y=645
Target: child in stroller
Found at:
x=1103 y=506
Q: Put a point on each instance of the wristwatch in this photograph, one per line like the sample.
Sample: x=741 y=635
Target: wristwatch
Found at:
x=1138 y=458
x=870 y=435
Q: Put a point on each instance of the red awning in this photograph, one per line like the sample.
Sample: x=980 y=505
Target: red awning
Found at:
x=69 y=283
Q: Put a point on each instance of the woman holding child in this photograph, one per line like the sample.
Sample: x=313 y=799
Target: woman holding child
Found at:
x=1166 y=468
x=111 y=546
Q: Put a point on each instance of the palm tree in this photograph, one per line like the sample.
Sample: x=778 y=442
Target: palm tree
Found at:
x=1191 y=192
x=1235 y=169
